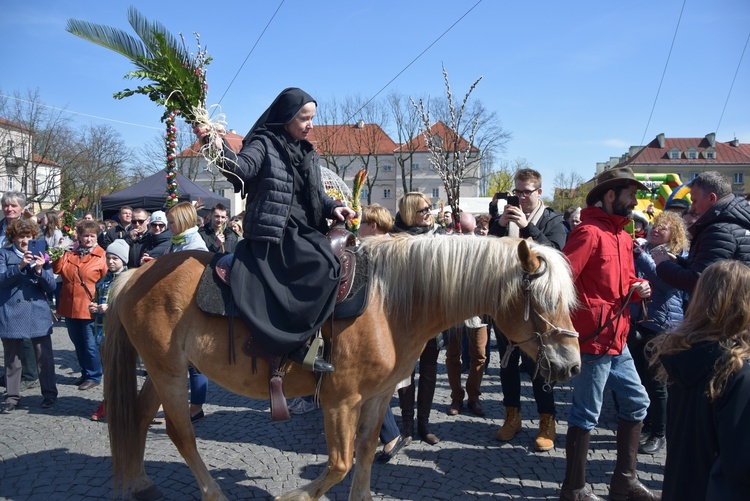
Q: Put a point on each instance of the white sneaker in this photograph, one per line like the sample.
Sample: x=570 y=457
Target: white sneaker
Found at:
x=301 y=406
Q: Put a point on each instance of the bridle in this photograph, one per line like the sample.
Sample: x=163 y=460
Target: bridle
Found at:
x=542 y=360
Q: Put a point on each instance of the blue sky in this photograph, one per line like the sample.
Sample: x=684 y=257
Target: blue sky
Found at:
x=574 y=82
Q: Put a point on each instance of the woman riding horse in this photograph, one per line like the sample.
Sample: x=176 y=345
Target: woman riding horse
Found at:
x=285 y=276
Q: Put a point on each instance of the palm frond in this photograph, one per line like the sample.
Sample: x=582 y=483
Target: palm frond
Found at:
x=108 y=37
x=155 y=36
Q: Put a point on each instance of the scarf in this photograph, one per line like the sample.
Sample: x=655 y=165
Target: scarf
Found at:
x=533 y=217
x=180 y=238
x=82 y=252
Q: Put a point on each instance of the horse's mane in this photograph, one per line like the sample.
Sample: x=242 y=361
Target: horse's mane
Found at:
x=118 y=284
x=463 y=274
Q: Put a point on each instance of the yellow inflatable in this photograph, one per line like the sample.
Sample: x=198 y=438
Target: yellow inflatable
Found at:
x=663 y=188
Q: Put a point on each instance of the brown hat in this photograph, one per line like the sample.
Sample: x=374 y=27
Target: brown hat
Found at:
x=611 y=179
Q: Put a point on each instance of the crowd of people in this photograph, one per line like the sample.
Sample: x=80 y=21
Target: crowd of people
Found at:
x=663 y=315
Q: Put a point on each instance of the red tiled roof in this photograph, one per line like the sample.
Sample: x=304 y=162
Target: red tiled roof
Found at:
x=44 y=161
x=13 y=124
x=233 y=140
x=418 y=143
x=369 y=139
x=726 y=153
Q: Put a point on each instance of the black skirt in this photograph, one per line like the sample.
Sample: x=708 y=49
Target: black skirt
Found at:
x=285 y=291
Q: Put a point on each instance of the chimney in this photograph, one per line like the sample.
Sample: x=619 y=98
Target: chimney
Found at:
x=660 y=138
x=735 y=142
x=361 y=124
x=711 y=138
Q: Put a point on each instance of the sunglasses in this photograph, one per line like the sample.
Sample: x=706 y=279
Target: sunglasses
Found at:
x=424 y=211
x=158 y=225
x=138 y=221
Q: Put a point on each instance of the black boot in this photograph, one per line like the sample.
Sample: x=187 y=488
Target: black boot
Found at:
x=406 y=402
x=625 y=485
x=310 y=359
x=426 y=392
x=574 y=486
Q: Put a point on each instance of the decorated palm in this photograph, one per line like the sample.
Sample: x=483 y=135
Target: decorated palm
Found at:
x=175 y=78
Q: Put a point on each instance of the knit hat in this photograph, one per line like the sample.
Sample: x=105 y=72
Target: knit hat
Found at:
x=159 y=217
x=120 y=249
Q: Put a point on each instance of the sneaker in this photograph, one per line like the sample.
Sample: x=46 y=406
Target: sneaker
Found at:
x=301 y=406
x=100 y=414
x=28 y=385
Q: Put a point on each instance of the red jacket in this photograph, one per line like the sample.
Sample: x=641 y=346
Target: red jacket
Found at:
x=601 y=259
x=74 y=298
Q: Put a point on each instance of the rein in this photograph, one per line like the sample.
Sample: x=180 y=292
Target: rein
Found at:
x=542 y=360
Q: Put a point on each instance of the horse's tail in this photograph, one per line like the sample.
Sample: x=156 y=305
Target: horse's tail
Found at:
x=121 y=390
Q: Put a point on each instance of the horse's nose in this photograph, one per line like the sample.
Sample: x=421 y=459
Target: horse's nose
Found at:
x=575 y=370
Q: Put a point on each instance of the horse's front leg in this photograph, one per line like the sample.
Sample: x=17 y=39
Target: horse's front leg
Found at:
x=341 y=419
x=368 y=431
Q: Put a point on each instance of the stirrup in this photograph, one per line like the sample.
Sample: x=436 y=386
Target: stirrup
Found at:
x=311 y=357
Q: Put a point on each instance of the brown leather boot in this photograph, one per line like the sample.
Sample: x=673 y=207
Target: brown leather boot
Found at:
x=511 y=426
x=625 y=485
x=545 y=439
x=574 y=486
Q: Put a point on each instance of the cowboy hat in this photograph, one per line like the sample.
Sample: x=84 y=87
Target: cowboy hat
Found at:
x=611 y=179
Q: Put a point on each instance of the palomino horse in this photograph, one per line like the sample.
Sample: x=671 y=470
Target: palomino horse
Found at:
x=419 y=287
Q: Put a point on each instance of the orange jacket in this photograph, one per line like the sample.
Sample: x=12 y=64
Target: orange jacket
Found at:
x=74 y=300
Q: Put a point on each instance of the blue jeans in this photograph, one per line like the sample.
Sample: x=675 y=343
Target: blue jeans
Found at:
x=81 y=333
x=617 y=371
x=198 y=386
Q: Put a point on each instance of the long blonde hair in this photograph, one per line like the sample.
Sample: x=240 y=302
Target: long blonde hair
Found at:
x=678 y=239
x=719 y=311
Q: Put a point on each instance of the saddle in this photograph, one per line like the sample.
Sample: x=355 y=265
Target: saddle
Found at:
x=214 y=297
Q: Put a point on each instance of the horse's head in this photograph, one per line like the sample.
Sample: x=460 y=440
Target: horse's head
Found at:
x=537 y=317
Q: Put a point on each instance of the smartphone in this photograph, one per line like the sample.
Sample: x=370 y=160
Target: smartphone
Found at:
x=514 y=201
x=36 y=247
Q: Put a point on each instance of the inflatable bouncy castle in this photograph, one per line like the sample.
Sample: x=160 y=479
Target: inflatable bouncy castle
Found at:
x=663 y=188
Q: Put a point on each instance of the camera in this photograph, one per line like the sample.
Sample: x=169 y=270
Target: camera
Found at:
x=502 y=195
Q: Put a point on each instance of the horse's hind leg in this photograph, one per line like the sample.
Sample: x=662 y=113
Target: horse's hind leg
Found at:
x=174 y=397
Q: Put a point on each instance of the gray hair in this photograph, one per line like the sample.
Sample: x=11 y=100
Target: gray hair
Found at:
x=713 y=182
x=13 y=196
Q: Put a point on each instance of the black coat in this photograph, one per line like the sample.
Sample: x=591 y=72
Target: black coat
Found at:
x=723 y=232
x=209 y=236
x=549 y=230
x=708 y=443
x=155 y=245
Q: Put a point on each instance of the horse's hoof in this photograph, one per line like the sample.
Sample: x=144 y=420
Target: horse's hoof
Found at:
x=151 y=493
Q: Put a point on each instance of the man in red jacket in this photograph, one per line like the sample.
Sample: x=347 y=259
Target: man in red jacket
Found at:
x=601 y=259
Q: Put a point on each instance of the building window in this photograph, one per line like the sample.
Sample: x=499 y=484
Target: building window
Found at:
x=739 y=178
x=415 y=166
x=710 y=154
x=11 y=185
x=692 y=154
x=387 y=168
x=387 y=193
x=364 y=194
x=674 y=155
x=436 y=193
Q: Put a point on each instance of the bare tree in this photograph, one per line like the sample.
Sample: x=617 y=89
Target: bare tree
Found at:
x=567 y=191
x=95 y=165
x=48 y=131
x=330 y=144
x=367 y=136
x=406 y=126
x=451 y=156
x=150 y=158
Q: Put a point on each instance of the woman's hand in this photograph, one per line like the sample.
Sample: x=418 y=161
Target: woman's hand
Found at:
x=26 y=260
x=203 y=133
x=344 y=213
x=93 y=308
x=38 y=263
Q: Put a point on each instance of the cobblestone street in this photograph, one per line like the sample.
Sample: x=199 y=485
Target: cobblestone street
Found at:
x=59 y=454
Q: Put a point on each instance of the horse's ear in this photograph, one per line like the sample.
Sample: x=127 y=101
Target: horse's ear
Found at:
x=529 y=261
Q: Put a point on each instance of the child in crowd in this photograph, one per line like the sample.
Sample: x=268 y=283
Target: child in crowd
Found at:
x=116 y=258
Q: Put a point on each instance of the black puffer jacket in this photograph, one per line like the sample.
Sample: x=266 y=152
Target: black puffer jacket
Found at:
x=723 y=232
x=550 y=229
x=262 y=172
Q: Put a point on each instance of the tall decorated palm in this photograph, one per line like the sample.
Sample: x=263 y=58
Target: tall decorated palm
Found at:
x=173 y=77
